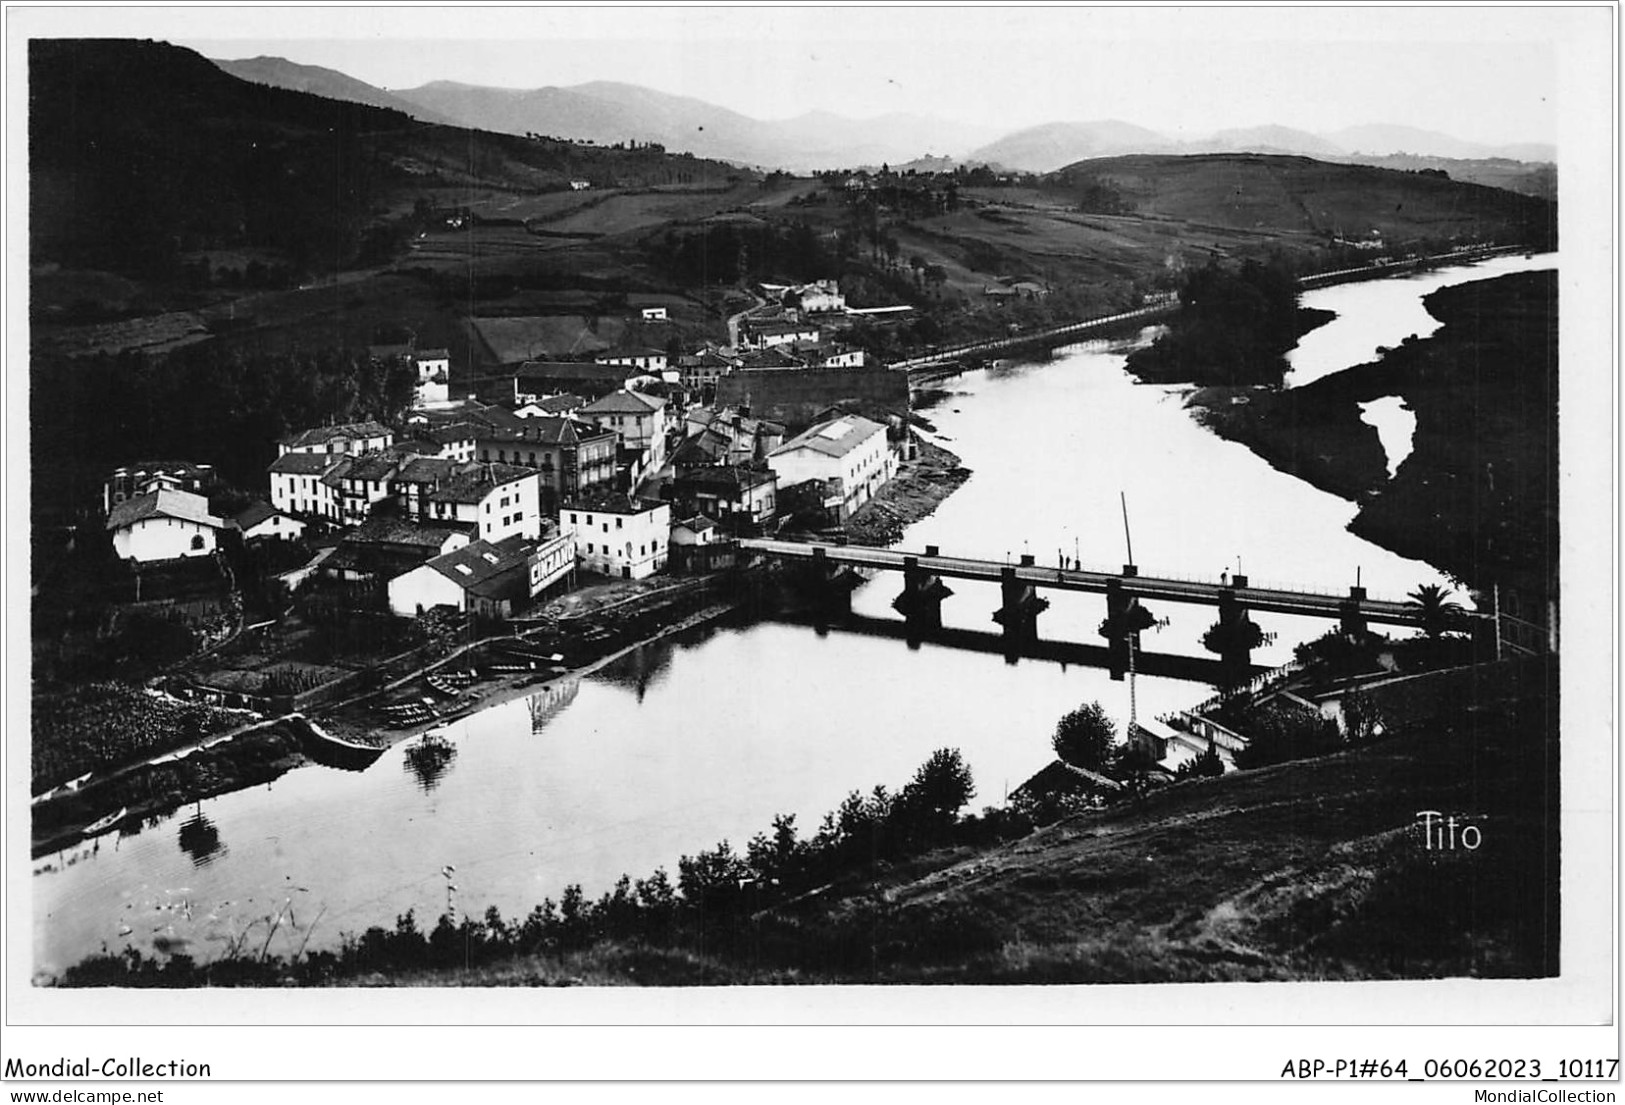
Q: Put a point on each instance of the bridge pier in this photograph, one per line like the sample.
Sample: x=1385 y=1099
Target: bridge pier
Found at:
x=1022 y=604
x=831 y=585
x=923 y=592
x=1125 y=619
x=1351 y=619
x=1237 y=634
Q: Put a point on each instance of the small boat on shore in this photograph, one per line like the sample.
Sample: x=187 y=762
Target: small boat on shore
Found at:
x=106 y=823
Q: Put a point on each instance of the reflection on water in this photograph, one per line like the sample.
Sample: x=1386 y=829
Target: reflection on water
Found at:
x=547 y=703
x=200 y=839
x=428 y=759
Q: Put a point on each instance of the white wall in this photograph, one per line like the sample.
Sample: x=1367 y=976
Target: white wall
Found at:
x=514 y=509
x=163 y=539
x=308 y=495
x=423 y=587
x=285 y=529
x=630 y=546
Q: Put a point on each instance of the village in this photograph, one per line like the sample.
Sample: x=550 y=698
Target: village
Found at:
x=530 y=520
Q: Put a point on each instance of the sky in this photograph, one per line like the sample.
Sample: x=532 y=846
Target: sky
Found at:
x=1488 y=74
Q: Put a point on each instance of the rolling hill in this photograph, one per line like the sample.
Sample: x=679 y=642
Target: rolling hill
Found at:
x=1042 y=149
x=609 y=112
x=142 y=153
x=1380 y=139
x=318 y=81
x=1300 y=196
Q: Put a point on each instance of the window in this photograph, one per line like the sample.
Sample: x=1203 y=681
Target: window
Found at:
x=197 y=541
x=590 y=547
x=572 y=519
x=618 y=523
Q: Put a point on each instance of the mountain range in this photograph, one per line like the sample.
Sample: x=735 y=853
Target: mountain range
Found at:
x=608 y=112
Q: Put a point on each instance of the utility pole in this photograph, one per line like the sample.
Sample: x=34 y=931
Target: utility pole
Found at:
x=1127 y=540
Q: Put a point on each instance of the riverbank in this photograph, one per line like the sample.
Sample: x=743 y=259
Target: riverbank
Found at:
x=136 y=795
x=1165 y=888
x=919 y=487
x=1477 y=496
x=598 y=624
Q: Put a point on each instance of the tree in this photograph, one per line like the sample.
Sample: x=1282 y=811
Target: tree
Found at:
x=940 y=788
x=1085 y=737
x=1438 y=613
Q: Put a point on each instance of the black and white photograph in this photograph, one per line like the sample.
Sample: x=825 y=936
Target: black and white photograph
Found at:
x=929 y=508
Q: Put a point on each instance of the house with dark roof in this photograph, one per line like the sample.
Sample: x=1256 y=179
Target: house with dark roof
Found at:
x=618 y=535
x=486 y=578
x=773 y=357
x=348 y=437
x=360 y=482
x=706 y=367
x=384 y=546
x=297 y=486
x=263 y=522
x=164 y=525
x=498 y=500
x=572 y=457
x=743 y=499
x=535 y=379
x=698 y=544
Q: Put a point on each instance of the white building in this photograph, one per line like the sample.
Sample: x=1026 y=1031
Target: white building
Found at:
x=485 y=578
x=850 y=453
x=649 y=360
x=638 y=420
x=349 y=437
x=619 y=537
x=821 y=295
x=261 y=522
x=433 y=383
x=297 y=485
x=654 y=314
x=164 y=525
x=499 y=500
x=765 y=335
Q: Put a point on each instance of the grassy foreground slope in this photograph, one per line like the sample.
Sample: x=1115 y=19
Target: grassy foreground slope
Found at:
x=1316 y=869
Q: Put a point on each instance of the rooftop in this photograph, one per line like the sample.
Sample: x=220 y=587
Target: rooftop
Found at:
x=475 y=481
x=616 y=502
x=321 y=435
x=304 y=464
x=624 y=402
x=480 y=566
x=256 y=513
x=163 y=503
x=386 y=529
x=724 y=477
x=834 y=438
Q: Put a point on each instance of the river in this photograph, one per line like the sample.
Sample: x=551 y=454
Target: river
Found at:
x=708 y=734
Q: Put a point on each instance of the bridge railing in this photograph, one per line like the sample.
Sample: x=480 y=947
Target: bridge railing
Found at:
x=1041 y=567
